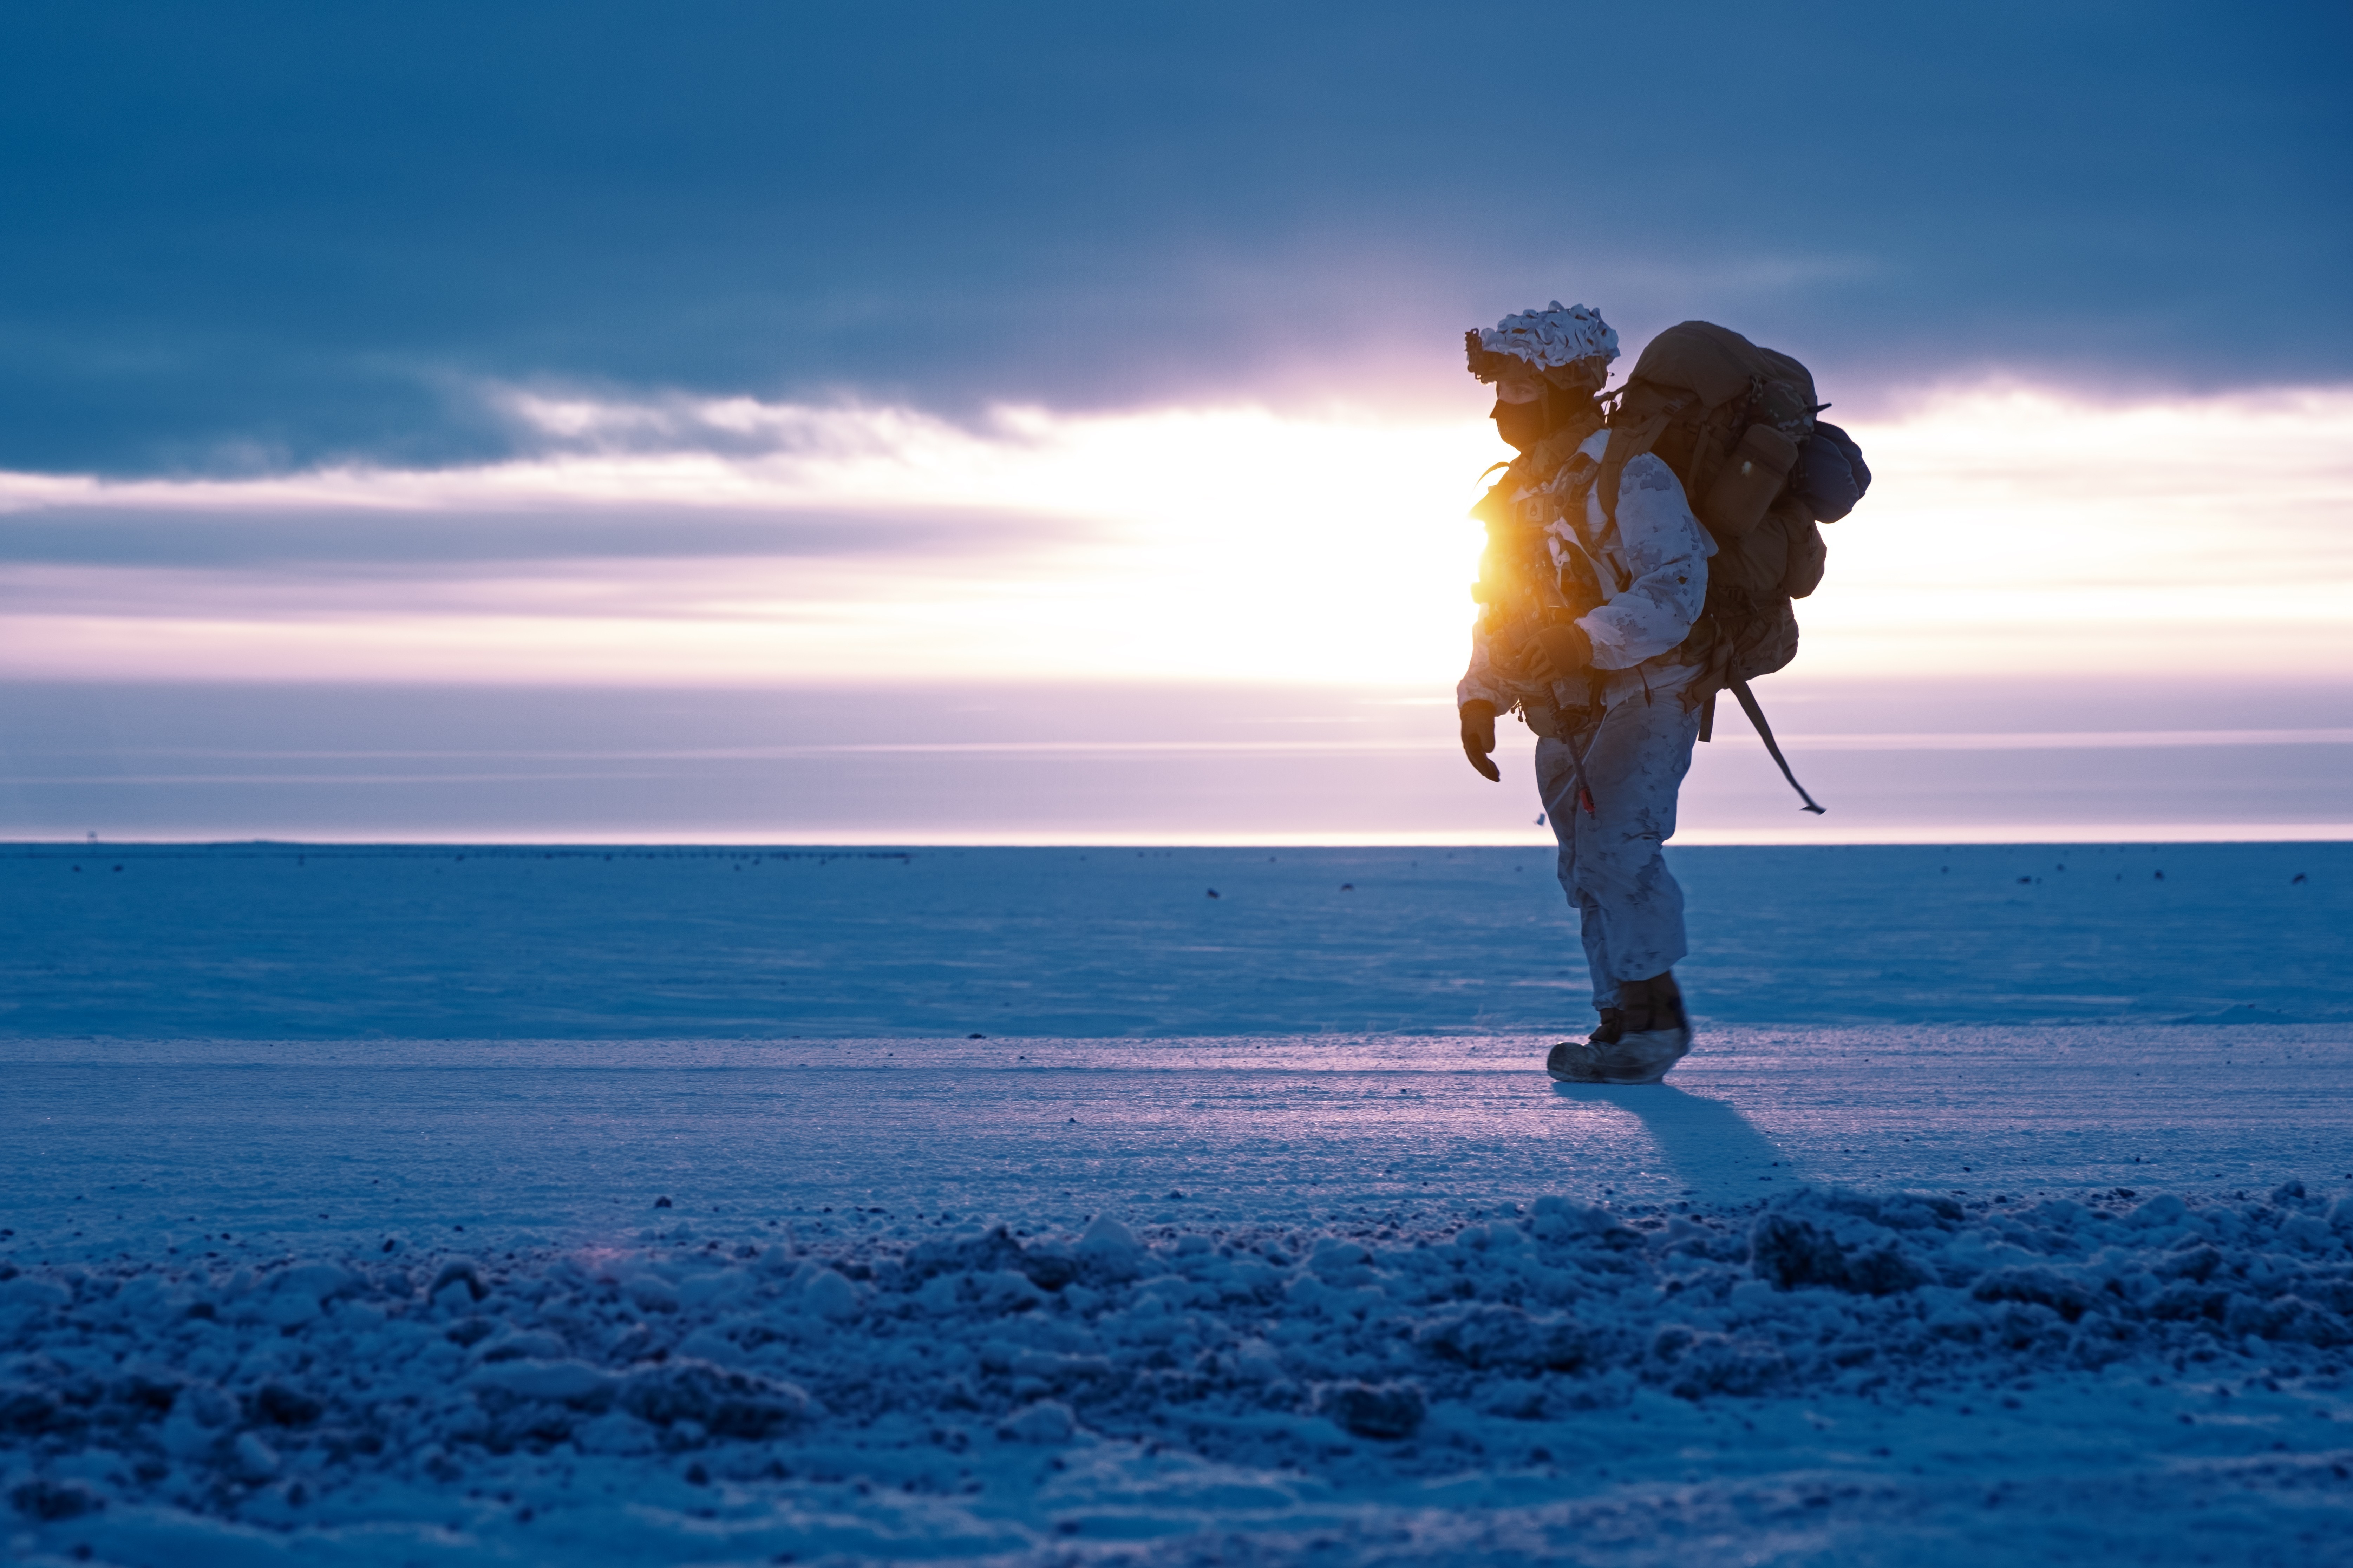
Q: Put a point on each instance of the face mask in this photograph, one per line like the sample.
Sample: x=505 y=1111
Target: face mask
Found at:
x=1521 y=425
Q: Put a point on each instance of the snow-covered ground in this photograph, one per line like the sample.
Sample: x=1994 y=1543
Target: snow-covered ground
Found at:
x=263 y=942
x=1993 y=1221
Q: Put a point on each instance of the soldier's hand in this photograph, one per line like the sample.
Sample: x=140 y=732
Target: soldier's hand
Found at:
x=1478 y=738
x=1559 y=652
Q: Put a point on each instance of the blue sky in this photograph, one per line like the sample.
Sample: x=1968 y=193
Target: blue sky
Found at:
x=247 y=236
x=1012 y=350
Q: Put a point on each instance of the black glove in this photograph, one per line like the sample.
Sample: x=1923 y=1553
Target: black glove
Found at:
x=1559 y=652
x=1478 y=738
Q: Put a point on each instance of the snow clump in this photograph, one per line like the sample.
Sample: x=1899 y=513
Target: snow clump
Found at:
x=312 y=1390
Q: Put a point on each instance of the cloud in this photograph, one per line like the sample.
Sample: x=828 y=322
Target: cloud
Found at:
x=1093 y=547
x=460 y=541
x=2012 y=530
x=269 y=238
x=671 y=478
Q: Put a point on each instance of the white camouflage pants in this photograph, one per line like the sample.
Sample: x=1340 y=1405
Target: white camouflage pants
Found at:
x=1628 y=907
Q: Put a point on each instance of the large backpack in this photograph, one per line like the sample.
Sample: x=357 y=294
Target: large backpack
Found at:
x=1735 y=422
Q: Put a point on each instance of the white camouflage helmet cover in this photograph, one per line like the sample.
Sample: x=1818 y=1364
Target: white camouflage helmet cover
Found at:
x=1551 y=339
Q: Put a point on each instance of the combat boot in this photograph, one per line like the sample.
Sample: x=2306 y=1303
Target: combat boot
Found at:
x=1579 y=1061
x=1649 y=1033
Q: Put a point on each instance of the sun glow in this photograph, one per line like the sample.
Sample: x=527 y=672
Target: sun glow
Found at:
x=2009 y=530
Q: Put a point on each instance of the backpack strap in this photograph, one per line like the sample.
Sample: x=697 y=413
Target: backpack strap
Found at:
x=1641 y=418
x=1765 y=732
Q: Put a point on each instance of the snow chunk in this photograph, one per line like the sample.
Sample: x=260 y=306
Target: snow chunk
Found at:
x=1559 y=1219
x=830 y=1294
x=1843 y=1242
x=568 y=1382
x=1388 y=1413
x=27 y=1291
x=318 y=1281
x=2162 y=1209
x=462 y=1271
x=256 y=1459
x=51 y=1502
x=1506 y=1337
x=1108 y=1237
x=715 y=1401
x=718 y=1287
x=1849 y=1252
x=515 y=1345
x=1047 y=1421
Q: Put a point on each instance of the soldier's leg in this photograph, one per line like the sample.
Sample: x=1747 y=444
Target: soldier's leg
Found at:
x=1556 y=787
x=1634 y=767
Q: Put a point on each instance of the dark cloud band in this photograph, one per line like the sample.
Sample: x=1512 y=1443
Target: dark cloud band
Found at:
x=254 y=236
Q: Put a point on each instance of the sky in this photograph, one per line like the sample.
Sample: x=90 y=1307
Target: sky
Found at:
x=1038 y=348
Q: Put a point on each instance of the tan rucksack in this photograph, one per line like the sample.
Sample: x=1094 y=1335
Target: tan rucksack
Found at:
x=1730 y=419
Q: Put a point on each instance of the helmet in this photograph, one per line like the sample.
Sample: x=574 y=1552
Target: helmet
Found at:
x=1547 y=344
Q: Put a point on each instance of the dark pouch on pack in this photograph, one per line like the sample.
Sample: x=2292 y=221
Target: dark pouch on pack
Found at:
x=1751 y=476
x=1832 y=475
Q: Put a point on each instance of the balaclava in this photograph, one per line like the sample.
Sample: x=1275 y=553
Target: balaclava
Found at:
x=1523 y=425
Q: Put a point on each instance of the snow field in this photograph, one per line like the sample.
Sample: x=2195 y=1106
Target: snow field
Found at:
x=281 y=942
x=1027 y=1209
x=1829 y=1376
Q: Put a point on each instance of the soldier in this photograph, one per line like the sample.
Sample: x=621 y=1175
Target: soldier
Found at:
x=1584 y=610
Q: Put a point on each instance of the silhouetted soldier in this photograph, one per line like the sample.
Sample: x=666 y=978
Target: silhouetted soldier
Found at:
x=1584 y=612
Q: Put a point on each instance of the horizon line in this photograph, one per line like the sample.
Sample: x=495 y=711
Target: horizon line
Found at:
x=1892 y=835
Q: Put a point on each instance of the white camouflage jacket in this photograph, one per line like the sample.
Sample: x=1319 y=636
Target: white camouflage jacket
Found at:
x=1652 y=568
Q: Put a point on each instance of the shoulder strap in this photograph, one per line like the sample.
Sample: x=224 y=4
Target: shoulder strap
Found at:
x=1642 y=415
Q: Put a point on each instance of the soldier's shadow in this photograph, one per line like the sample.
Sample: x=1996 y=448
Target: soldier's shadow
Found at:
x=1707 y=1142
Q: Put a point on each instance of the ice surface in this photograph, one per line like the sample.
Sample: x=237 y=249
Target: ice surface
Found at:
x=1947 y=1245
x=284 y=942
